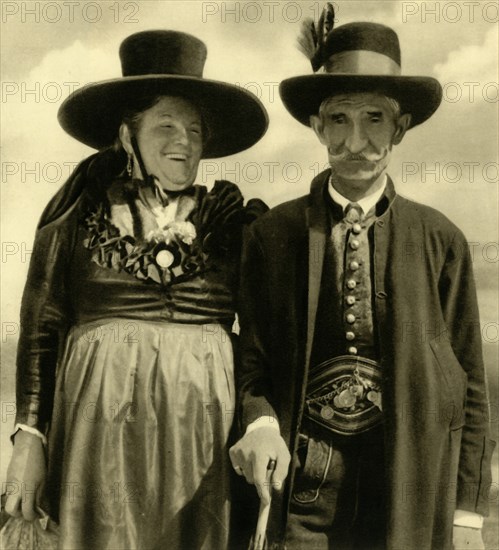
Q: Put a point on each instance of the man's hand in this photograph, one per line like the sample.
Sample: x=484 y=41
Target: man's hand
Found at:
x=251 y=454
x=25 y=475
x=467 y=538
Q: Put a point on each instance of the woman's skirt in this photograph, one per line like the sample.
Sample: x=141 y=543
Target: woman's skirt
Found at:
x=138 y=441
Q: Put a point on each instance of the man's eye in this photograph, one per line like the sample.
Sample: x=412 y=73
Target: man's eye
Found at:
x=376 y=118
x=195 y=130
x=337 y=119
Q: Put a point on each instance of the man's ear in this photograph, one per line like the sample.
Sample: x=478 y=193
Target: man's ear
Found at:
x=316 y=123
x=401 y=128
x=126 y=138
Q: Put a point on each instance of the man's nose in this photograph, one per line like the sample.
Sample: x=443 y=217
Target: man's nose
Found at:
x=356 y=140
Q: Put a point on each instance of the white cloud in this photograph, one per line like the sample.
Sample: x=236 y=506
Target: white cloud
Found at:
x=471 y=63
x=29 y=111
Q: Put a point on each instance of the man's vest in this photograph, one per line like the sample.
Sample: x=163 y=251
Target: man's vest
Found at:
x=344 y=322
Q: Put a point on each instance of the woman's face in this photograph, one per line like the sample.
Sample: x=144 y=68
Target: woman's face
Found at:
x=170 y=140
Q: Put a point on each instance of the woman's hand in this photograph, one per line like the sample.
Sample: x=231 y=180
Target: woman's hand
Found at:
x=25 y=475
x=251 y=454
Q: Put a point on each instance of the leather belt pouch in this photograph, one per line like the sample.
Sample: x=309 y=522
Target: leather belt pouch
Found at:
x=344 y=395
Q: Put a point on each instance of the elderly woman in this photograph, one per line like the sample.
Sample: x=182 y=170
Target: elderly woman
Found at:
x=125 y=360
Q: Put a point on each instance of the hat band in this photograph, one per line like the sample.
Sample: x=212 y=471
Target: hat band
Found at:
x=362 y=62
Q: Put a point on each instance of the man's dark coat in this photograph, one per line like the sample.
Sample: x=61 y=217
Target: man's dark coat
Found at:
x=428 y=333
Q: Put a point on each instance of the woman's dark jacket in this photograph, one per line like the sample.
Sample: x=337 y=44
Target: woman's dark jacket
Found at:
x=67 y=285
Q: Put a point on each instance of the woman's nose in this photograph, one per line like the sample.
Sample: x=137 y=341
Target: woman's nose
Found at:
x=356 y=140
x=182 y=136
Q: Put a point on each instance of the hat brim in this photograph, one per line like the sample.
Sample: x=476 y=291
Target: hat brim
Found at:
x=236 y=118
x=302 y=95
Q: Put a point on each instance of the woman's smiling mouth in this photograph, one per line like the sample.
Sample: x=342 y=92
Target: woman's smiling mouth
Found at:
x=176 y=156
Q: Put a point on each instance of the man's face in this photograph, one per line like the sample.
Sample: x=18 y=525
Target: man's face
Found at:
x=171 y=142
x=358 y=130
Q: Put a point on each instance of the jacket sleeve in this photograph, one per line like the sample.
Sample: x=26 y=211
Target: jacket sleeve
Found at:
x=252 y=371
x=44 y=323
x=459 y=302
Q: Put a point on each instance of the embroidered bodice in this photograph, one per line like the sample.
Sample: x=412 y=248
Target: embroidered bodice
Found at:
x=174 y=261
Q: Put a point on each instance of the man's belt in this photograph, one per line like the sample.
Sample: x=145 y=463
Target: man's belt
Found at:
x=344 y=395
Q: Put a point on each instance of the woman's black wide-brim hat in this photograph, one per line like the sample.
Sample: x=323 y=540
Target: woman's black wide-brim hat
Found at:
x=165 y=63
x=361 y=57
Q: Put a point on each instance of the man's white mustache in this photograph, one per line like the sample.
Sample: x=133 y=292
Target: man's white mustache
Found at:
x=371 y=157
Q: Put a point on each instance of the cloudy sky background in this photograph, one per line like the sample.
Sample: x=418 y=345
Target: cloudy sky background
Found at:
x=52 y=48
x=253 y=45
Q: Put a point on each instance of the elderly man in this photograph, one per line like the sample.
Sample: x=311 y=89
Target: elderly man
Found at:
x=361 y=359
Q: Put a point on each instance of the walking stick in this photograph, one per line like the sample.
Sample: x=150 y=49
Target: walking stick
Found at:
x=259 y=541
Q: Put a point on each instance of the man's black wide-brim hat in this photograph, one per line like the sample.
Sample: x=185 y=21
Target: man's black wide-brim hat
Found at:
x=165 y=63
x=361 y=57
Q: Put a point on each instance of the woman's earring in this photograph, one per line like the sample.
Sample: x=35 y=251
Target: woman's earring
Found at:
x=129 y=166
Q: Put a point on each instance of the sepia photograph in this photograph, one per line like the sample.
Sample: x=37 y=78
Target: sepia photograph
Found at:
x=249 y=275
